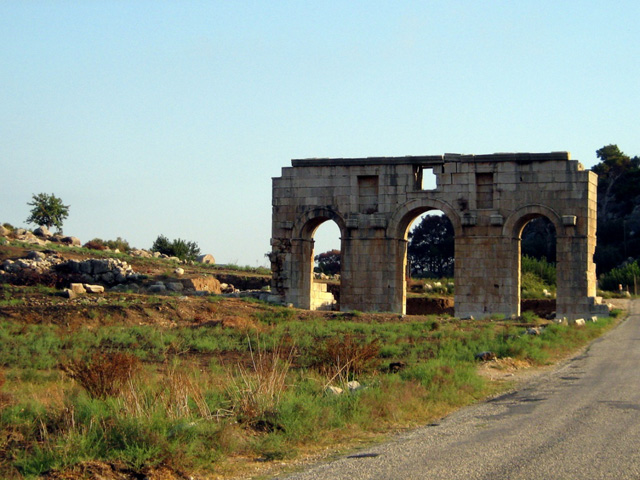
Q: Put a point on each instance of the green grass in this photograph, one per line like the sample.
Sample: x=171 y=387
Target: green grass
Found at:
x=205 y=394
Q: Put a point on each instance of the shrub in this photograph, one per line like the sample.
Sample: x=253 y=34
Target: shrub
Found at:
x=541 y=268
x=627 y=276
x=95 y=244
x=118 y=244
x=342 y=357
x=103 y=374
x=177 y=248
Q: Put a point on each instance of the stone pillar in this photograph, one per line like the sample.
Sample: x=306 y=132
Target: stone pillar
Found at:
x=573 y=285
x=484 y=276
x=368 y=274
x=300 y=273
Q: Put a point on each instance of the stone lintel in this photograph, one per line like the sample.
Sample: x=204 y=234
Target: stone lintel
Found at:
x=427 y=160
x=352 y=162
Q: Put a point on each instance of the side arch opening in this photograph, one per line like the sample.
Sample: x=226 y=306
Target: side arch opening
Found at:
x=326 y=265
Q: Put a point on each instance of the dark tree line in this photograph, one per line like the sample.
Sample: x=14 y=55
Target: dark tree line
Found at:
x=618 y=208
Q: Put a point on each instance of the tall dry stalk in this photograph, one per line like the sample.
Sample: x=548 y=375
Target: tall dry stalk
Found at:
x=256 y=391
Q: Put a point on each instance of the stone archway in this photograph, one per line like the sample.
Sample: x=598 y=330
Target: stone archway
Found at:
x=398 y=230
x=305 y=292
x=488 y=198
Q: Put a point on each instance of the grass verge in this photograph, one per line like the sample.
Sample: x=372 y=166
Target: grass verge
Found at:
x=213 y=400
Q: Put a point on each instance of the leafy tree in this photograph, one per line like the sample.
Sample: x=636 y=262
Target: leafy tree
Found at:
x=618 y=208
x=48 y=210
x=328 y=262
x=618 y=180
x=431 y=247
x=177 y=248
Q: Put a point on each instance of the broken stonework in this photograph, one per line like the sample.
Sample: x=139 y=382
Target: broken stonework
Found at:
x=157 y=288
x=207 y=258
x=488 y=199
x=208 y=284
x=93 y=288
x=77 y=288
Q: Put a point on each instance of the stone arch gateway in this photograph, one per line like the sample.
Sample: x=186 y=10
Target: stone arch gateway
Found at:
x=488 y=198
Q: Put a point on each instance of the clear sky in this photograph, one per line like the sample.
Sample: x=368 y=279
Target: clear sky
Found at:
x=171 y=117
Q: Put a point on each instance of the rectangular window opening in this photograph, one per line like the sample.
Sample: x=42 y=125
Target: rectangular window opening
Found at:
x=425 y=178
x=368 y=194
x=484 y=190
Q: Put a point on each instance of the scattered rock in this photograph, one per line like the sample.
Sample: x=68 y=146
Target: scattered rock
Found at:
x=68 y=293
x=73 y=241
x=354 y=386
x=533 y=331
x=36 y=255
x=140 y=253
x=331 y=390
x=78 y=288
x=25 y=236
x=208 y=284
x=93 y=288
x=157 y=288
x=485 y=356
x=175 y=286
x=43 y=232
x=577 y=322
x=207 y=258
x=179 y=271
x=4 y=231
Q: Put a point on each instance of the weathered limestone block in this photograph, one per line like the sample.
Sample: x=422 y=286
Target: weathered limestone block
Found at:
x=77 y=288
x=207 y=284
x=93 y=288
x=207 y=258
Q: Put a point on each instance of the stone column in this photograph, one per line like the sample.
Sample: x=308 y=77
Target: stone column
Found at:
x=486 y=271
x=368 y=273
x=300 y=273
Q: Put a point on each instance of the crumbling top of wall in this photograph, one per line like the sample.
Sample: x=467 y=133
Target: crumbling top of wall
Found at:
x=524 y=157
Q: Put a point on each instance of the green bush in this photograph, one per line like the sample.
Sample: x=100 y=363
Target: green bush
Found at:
x=627 y=276
x=182 y=249
x=541 y=268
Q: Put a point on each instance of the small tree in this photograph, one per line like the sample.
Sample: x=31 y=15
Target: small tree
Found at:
x=48 y=210
x=328 y=262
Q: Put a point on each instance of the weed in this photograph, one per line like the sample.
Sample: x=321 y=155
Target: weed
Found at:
x=103 y=374
x=256 y=391
x=341 y=358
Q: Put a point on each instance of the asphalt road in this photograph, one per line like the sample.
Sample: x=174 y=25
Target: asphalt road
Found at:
x=581 y=421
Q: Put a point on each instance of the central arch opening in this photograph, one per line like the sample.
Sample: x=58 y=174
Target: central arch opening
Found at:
x=429 y=264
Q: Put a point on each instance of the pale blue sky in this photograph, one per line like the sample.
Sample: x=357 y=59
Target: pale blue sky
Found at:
x=153 y=117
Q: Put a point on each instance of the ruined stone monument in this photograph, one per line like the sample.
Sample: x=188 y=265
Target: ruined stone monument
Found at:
x=488 y=198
